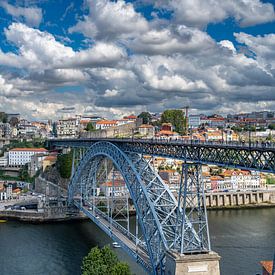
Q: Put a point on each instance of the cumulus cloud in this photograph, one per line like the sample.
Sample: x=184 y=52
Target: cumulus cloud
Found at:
x=199 y=13
x=40 y=51
x=110 y=20
x=31 y=15
x=133 y=64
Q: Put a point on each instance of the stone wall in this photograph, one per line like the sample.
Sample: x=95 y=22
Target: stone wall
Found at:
x=238 y=199
x=125 y=130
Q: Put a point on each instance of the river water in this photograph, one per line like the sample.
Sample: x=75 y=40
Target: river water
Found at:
x=242 y=238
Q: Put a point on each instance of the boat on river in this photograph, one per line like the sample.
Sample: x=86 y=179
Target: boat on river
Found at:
x=116 y=245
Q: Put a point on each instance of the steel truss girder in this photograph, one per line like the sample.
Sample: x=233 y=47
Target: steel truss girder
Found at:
x=243 y=157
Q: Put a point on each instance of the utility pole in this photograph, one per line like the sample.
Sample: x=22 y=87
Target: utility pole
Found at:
x=186 y=108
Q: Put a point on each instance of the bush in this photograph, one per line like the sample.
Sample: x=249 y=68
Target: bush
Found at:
x=102 y=262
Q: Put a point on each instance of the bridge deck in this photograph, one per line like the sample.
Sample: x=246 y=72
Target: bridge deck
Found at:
x=99 y=218
x=252 y=156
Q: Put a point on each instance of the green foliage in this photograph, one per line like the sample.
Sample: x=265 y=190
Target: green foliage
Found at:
x=3 y=117
x=176 y=118
x=269 y=137
x=90 y=127
x=146 y=117
x=121 y=269
x=101 y=205
x=64 y=165
x=236 y=128
x=35 y=143
x=102 y=262
x=4 y=177
x=271 y=126
x=270 y=180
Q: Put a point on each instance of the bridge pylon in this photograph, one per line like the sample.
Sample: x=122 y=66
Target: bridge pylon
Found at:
x=192 y=249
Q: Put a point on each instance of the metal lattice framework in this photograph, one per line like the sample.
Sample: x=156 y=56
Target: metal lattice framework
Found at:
x=229 y=155
x=166 y=223
x=156 y=207
x=192 y=200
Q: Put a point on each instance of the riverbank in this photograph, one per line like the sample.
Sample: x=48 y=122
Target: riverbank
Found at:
x=238 y=207
x=38 y=217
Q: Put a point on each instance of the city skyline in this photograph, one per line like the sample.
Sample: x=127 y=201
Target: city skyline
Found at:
x=115 y=58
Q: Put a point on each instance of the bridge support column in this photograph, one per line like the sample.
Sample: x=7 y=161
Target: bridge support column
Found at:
x=193 y=264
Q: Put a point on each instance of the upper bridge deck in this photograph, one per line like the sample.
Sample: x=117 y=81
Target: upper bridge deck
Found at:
x=252 y=156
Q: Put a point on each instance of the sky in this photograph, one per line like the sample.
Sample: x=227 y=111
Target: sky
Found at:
x=113 y=58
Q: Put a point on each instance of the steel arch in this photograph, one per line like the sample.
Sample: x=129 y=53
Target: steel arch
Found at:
x=154 y=231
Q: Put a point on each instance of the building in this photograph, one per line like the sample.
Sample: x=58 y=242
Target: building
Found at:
x=105 y=124
x=67 y=128
x=35 y=163
x=147 y=130
x=5 y=130
x=116 y=188
x=4 y=161
x=22 y=156
x=194 y=121
x=49 y=161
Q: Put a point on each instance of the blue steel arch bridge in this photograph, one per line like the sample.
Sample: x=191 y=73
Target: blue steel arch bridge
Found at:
x=164 y=221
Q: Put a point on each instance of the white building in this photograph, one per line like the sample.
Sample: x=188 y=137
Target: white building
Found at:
x=116 y=188
x=194 y=121
x=67 y=128
x=21 y=156
x=4 y=161
x=105 y=124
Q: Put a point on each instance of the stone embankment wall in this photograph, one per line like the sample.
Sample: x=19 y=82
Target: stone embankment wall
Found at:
x=240 y=199
x=122 y=130
x=48 y=188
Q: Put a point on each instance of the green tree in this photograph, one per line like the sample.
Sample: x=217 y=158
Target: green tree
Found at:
x=176 y=118
x=90 y=127
x=146 y=117
x=3 y=117
x=64 y=165
x=271 y=126
x=102 y=262
x=121 y=269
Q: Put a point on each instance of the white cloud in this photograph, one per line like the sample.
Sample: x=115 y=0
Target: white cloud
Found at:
x=110 y=93
x=262 y=46
x=133 y=64
x=110 y=20
x=199 y=13
x=31 y=15
x=40 y=51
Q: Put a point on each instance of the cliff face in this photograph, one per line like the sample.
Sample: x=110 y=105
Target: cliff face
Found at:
x=51 y=174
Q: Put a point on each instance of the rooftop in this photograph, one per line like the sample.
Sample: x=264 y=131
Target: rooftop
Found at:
x=267 y=265
x=29 y=149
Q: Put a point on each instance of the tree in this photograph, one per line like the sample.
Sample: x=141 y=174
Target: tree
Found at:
x=102 y=262
x=271 y=126
x=146 y=117
x=121 y=269
x=3 y=117
x=64 y=165
x=176 y=118
x=90 y=127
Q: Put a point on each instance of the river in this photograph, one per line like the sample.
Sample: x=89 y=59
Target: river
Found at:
x=242 y=238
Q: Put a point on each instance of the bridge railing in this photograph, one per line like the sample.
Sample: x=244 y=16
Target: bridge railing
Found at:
x=116 y=225
x=178 y=141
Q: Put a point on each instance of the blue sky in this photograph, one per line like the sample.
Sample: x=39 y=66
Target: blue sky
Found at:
x=117 y=57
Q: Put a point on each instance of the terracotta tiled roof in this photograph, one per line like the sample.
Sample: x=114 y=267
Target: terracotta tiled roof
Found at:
x=146 y=126
x=104 y=122
x=117 y=183
x=267 y=265
x=51 y=158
